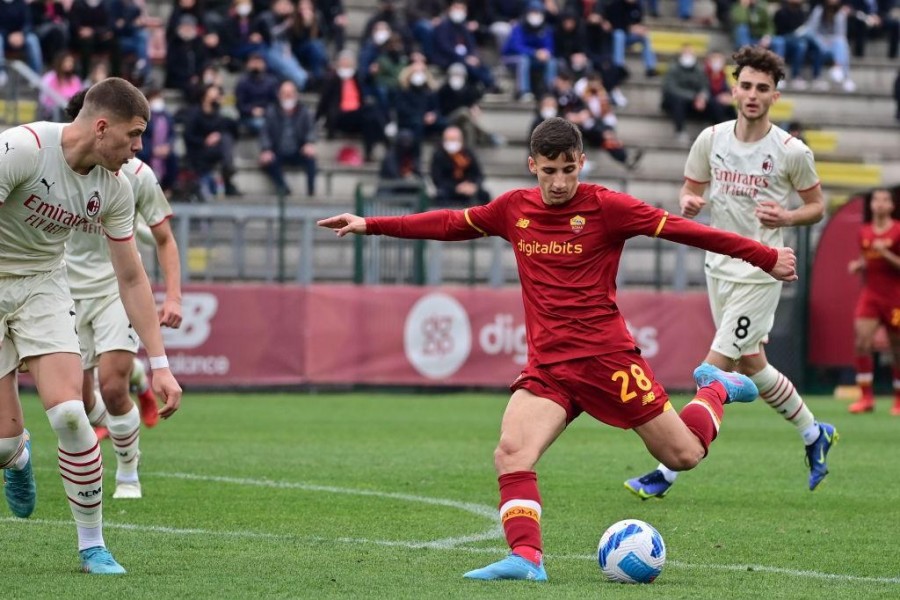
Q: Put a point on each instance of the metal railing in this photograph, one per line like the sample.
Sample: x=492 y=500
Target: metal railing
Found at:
x=21 y=81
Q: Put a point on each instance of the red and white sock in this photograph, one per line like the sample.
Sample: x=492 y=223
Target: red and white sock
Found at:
x=864 y=376
x=703 y=414
x=779 y=393
x=520 y=513
x=81 y=468
x=124 y=431
x=97 y=415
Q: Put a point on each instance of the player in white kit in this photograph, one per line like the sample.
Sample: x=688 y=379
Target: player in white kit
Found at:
x=107 y=339
x=752 y=168
x=54 y=178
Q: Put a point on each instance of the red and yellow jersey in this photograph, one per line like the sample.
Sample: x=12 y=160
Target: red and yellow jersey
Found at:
x=568 y=258
x=881 y=277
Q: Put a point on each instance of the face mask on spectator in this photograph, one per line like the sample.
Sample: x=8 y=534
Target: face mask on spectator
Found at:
x=716 y=65
x=215 y=104
x=456 y=83
x=457 y=16
x=244 y=9
x=289 y=104
x=452 y=147
x=418 y=78
x=157 y=105
x=346 y=72
x=687 y=60
x=548 y=112
x=380 y=36
x=535 y=19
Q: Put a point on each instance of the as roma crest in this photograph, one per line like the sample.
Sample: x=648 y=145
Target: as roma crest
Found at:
x=577 y=223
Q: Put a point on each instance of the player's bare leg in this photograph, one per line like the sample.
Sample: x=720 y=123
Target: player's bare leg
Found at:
x=681 y=441
x=123 y=420
x=530 y=425
x=58 y=378
x=894 y=338
x=863 y=337
x=15 y=451
x=94 y=405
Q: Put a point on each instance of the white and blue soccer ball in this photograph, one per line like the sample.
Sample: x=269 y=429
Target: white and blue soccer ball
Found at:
x=631 y=551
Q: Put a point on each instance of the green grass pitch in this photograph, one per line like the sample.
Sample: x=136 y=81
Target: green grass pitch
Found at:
x=377 y=495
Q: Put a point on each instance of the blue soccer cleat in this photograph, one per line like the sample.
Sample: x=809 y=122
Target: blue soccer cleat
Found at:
x=511 y=567
x=19 y=486
x=816 y=453
x=651 y=485
x=98 y=561
x=738 y=388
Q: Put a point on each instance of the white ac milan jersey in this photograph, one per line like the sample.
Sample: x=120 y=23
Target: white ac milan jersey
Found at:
x=42 y=200
x=87 y=252
x=740 y=175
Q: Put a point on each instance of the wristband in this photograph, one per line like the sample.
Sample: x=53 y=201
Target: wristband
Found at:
x=159 y=362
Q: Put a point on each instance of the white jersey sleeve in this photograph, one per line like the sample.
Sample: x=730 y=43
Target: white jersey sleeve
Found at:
x=152 y=204
x=18 y=159
x=801 y=166
x=696 y=168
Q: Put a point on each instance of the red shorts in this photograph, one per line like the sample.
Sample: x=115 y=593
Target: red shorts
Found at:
x=878 y=307
x=618 y=389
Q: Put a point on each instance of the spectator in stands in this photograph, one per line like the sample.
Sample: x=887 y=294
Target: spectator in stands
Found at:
x=62 y=79
x=599 y=49
x=158 y=141
x=498 y=16
x=372 y=47
x=129 y=27
x=685 y=92
x=400 y=171
x=458 y=100
x=546 y=108
x=212 y=74
x=453 y=42
x=570 y=42
x=208 y=22
x=751 y=23
x=308 y=41
x=826 y=30
x=529 y=49
x=99 y=71
x=626 y=19
x=255 y=92
x=91 y=33
x=277 y=23
x=416 y=105
x=16 y=35
x=456 y=173
x=347 y=109
x=50 y=23
x=786 y=42
x=243 y=32
x=720 y=104
x=387 y=12
x=422 y=16
x=897 y=95
x=593 y=113
x=209 y=144
x=185 y=56
x=385 y=75
x=288 y=139
x=873 y=18
x=334 y=21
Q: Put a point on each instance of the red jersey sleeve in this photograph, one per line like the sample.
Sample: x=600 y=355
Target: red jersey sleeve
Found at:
x=626 y=216
x=447 y=225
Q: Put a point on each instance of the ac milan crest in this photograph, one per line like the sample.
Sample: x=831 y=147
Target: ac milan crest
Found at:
x=768 y=164
x=93 y=205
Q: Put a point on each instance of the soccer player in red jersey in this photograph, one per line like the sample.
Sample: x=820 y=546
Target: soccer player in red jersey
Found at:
x=879 y=301
x=568 y=238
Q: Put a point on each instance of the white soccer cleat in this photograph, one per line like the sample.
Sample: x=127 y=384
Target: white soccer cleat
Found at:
x=127 y=491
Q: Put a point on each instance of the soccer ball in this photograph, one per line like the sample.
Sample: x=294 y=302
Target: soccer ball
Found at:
x=631 y=551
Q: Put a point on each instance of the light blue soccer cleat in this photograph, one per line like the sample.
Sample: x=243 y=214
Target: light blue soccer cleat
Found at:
x=511 y=567
x=738 y=388
x=816 y=453
x=19 y=486
x=98 y=561
x=651 y=485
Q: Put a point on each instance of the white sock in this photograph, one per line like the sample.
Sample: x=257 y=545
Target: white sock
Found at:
x=13 y=453
x=80 y=465
x=668 y=473
x=124 y=431
x=89 y=537
x=98 y=413
x=779 y=393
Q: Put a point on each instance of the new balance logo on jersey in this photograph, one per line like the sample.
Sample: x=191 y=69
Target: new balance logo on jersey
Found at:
x=47 y=185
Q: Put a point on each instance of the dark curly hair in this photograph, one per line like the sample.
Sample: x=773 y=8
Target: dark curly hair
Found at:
x=759 y=59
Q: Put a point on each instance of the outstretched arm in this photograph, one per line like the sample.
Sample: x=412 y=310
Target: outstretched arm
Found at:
x=448 y=225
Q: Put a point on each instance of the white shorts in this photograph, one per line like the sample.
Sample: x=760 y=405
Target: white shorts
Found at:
x=103 y=326
x=37 y=317
x=743 y=313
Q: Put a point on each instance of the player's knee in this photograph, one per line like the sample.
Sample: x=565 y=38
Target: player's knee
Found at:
x=9 y=448
x=509 y=457
x=684 y=459
x=115 y=394
x=862 y=347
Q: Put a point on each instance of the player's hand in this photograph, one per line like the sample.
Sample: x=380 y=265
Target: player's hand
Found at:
x=772 y=215
x=344 y=224
x=785 y=268
x=856 y=266
x=170 y=313
x=691 y=205
x=165 y=386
